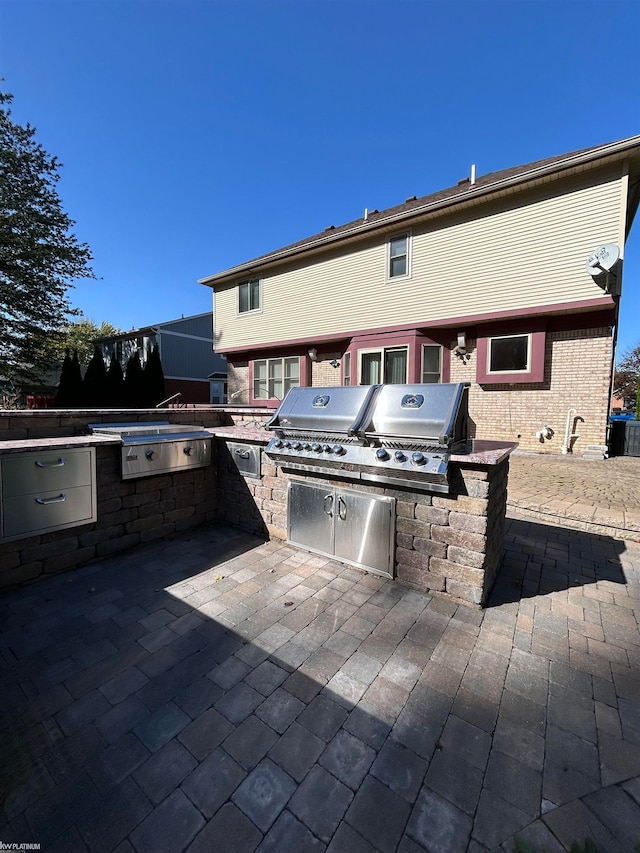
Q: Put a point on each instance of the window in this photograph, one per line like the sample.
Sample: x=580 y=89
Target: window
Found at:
x=249 y=296
x=509 y=354
x=431 y=363
x=346 y=368
x=398 y=259
x=512 y=358
x=272 y=377
x=383 y=366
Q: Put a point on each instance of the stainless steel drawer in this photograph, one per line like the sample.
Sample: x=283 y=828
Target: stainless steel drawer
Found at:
x=51 y=510
x=41 y=491
x=246 y=457
x=31 y=473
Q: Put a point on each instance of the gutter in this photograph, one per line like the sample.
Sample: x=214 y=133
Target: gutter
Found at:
x=474 y=193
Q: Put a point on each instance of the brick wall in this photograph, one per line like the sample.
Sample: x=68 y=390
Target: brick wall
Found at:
x=577 y=365
x=258 y=506
x=323 y=374
x=237 y=381
x=60 y=423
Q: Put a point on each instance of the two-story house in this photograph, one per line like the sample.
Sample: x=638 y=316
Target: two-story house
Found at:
x=485 y=282
x=190 y=365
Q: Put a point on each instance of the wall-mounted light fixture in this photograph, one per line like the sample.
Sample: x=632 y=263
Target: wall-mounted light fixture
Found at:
x=461 y=348
x=313 y=354
x=334 y=362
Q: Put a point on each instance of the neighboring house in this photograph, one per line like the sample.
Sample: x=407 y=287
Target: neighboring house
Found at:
x=484 y=282
x=190 y=365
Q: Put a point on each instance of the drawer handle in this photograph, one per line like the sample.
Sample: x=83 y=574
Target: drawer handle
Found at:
x=57 y=464
x=44 y=501
x=243 y=454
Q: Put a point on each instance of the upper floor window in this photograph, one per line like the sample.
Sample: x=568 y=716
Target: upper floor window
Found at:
x=509 y=354
x=249 y=296
x=273 y=377
x=398 y=256
x=387 y=366
x=431 y=363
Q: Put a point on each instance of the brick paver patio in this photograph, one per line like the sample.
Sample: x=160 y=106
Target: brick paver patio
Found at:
x=219 y=693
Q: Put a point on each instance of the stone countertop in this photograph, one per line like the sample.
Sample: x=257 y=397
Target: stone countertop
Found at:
x=484 y=451
x=25 y=445
x=242 y=433
x=480 y=452
x=231 y=433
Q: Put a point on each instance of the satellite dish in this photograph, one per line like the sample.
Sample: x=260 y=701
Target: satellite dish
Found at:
x=602 y=259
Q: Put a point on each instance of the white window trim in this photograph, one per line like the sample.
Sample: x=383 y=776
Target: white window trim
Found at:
x=347 y=367
x=391 y=237
x=382 y=351
x=257 y=310
x=267 y=361
x=440 y=347
x=512 y=370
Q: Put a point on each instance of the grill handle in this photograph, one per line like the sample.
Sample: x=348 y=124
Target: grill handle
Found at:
x=243 y=454
x=329 y=510
x=57 y=464
x=56 y=500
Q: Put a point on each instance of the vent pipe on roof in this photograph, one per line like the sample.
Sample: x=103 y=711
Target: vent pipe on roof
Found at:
x=473 y=173
x=366 y=214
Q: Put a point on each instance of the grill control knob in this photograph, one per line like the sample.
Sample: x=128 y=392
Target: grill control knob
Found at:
x=187 y=450
x=418 y=458
x=287 y=444
x=305 y=445
x=316 y=447
x=400 y=457
x=277 y=443
x=150 y=454
x=337 y=449
x=327 y=448
x=381 y=454
x=295 y=445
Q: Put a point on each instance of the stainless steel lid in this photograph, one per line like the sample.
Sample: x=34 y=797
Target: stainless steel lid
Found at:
x=424 y=413
x=427 y=414
x=336 y=410
x=140 y=432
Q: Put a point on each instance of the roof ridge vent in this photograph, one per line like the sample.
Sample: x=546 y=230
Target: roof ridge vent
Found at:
x=330 y=228
x=411 y=198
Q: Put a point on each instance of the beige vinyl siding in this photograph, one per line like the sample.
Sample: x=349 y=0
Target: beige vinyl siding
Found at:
x=528 y=250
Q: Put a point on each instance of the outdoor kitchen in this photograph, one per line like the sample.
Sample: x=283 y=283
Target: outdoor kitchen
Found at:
x=384 y=478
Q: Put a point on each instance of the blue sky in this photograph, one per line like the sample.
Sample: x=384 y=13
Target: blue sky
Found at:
x=197 y=134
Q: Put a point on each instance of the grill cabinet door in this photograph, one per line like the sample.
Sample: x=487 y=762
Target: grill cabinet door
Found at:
x=310 y=517
x=364 y=530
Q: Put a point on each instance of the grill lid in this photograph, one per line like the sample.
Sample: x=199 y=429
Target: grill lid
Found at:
x=426 y=414
x=336 y=410
x=429 y=414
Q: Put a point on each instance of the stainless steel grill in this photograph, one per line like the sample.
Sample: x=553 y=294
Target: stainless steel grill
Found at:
x=158 y=447
x=393 y=434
